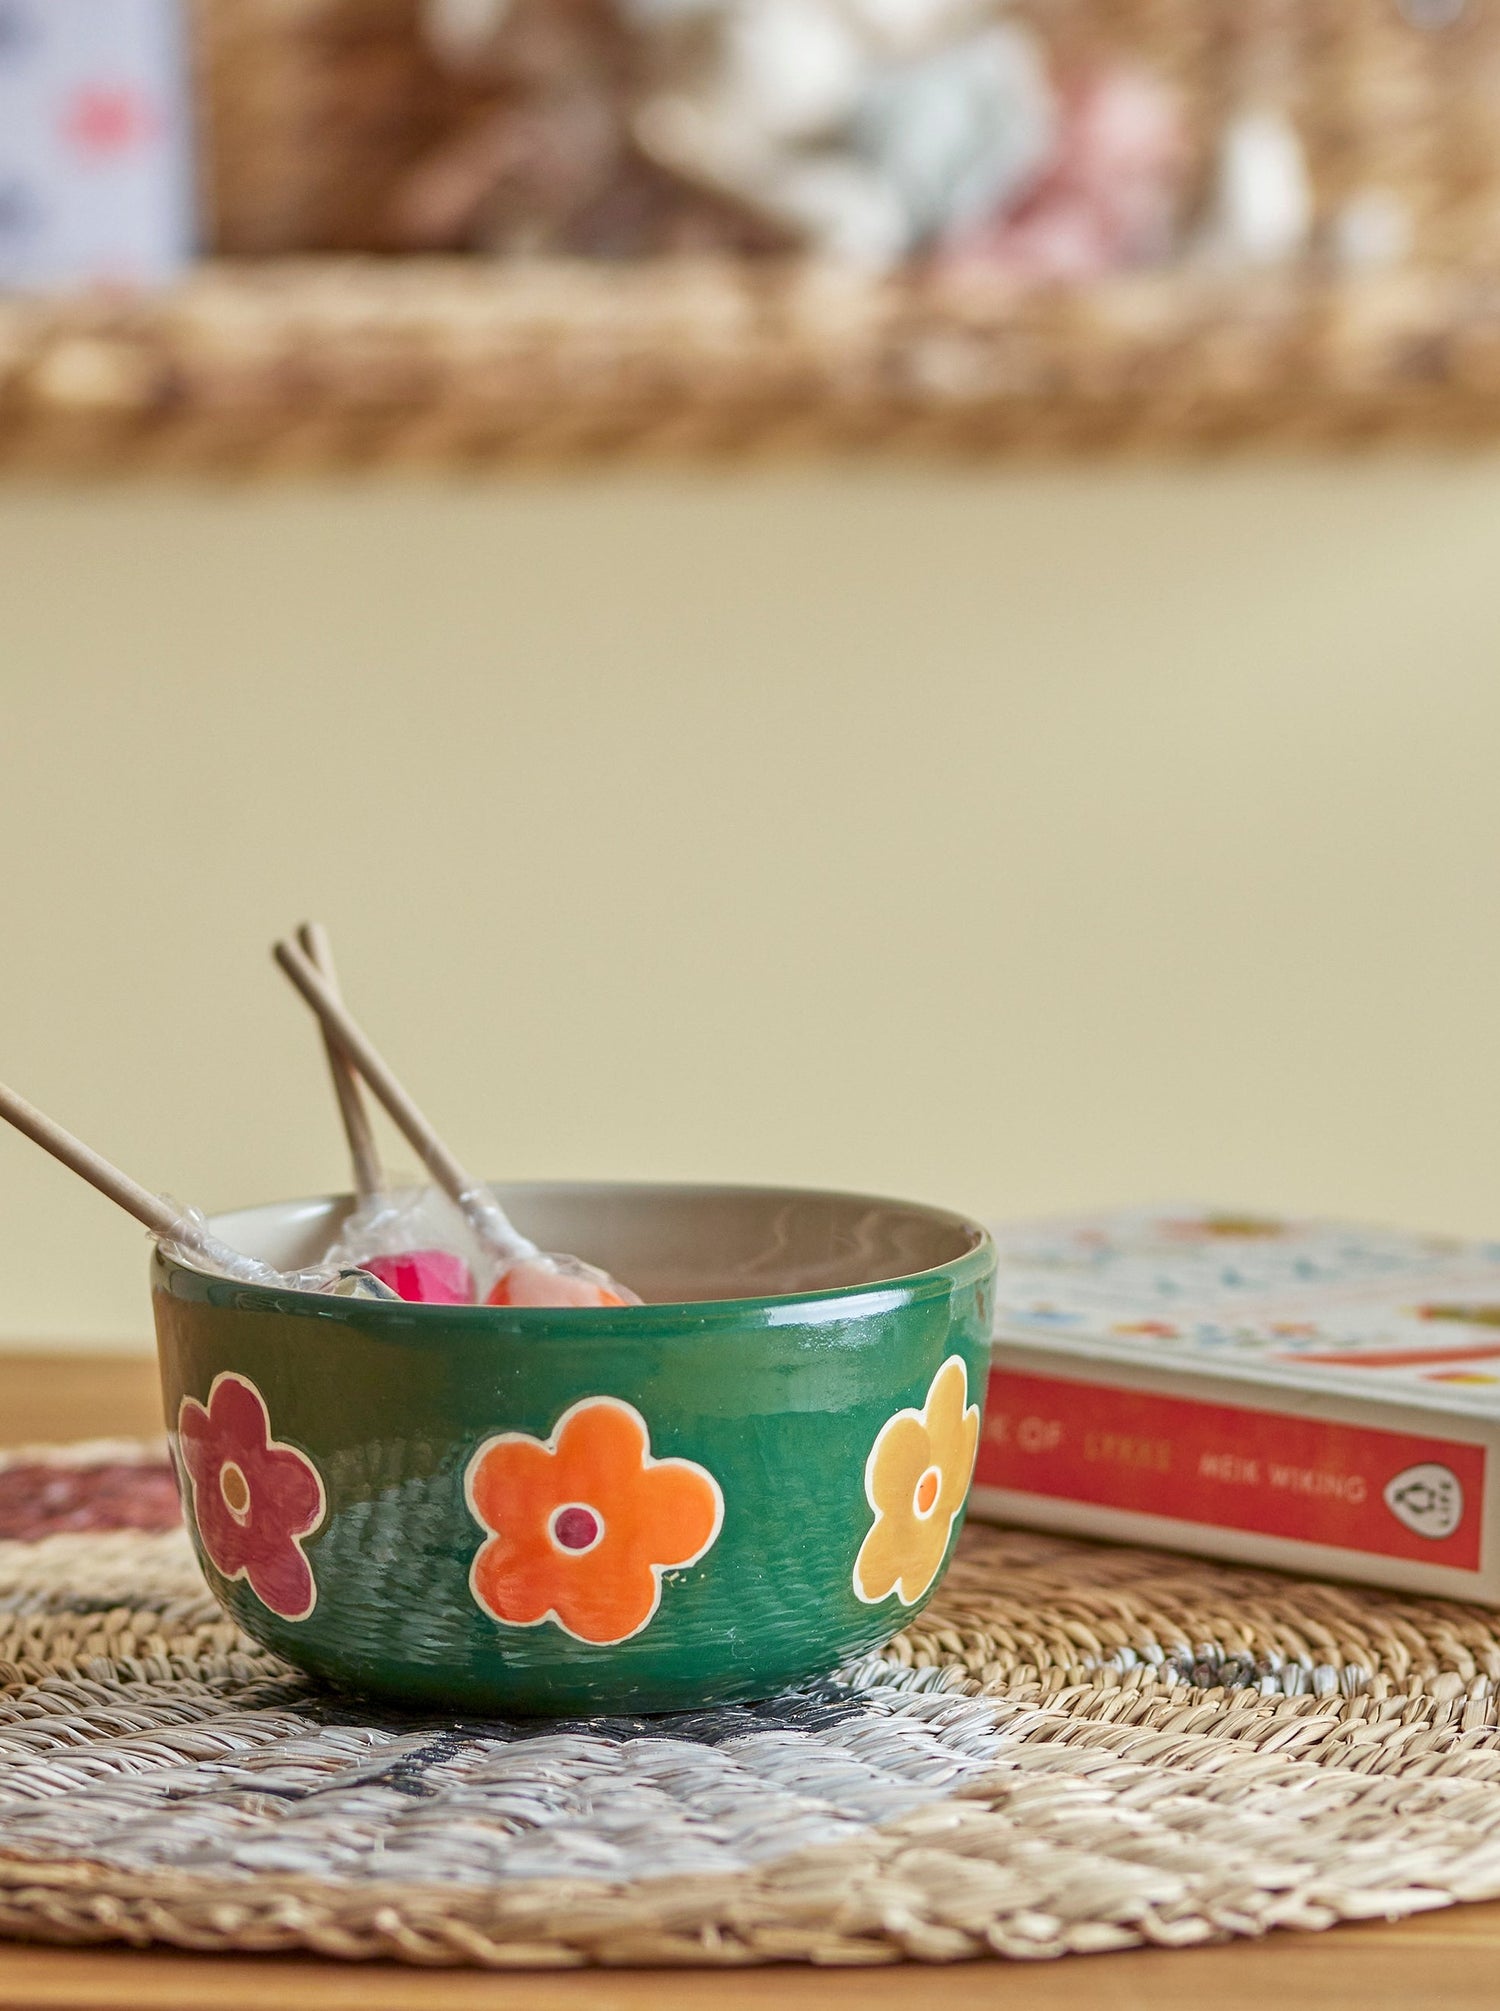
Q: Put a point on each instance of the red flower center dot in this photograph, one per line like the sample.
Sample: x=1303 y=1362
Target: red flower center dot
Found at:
x=576 y=1527
x=927 y=1490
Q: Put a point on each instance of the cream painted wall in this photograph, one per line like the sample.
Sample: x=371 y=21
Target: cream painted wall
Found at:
x=1022 y=840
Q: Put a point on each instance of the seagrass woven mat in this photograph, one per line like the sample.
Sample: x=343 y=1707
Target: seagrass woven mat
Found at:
x=1076 y=1748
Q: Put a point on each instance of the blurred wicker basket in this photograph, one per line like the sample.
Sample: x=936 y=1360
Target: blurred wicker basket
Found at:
x=316 y=110
x=317 y=107
x=272 y=367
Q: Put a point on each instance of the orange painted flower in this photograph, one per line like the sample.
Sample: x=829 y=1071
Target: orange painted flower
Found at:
x=916 y=1479
x=584 y=1524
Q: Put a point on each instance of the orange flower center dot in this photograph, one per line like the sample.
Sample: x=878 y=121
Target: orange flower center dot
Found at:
x=235 y=1489
x=576 y=1527
x=925 y=1498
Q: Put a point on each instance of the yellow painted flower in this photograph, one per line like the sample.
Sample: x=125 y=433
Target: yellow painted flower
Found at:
x=916 y=1478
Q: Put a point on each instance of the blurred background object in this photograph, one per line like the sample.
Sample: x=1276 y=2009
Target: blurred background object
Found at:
x=878 y=127
x=313 y=111
x=869 y=132
x=478 y=231
x=95 y=144
x=550 y=164
x=1051 y=137
x=1028 y=837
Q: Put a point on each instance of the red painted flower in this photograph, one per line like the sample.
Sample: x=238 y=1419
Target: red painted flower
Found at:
x=253 y=1499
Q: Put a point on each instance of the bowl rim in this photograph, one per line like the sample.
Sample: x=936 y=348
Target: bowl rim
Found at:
x=623 y=1322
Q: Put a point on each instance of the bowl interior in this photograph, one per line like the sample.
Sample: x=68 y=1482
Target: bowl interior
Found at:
x=672 y=1244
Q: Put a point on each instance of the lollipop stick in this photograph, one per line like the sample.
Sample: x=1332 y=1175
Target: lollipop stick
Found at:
x=169 y=1223
x=478 y=1207
x=369 y=1179
x=89 y=1165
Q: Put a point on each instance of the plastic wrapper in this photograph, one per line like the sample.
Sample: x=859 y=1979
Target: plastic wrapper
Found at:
x=493 y=1226
x=435 y=1253
x=528 y=1276
x=357 y=1284
x=417 y=1243
x=412 y=1244
x=193 y=1243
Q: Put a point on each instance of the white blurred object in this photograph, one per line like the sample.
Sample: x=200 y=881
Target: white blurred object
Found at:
x=959 y=132
x=664 y=13
x=1373 y=229
x=842 y=209
x=96 y=182
x=899 y=30
x=460 y=28
x=1434 y=15
x=870 y=127
x=1263 y=208
x=792 y=68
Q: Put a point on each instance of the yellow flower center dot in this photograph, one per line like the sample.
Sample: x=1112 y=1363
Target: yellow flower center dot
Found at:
x=235 y=1489
x=926 y=1495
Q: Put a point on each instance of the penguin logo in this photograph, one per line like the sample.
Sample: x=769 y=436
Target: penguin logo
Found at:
x=1427 y=1499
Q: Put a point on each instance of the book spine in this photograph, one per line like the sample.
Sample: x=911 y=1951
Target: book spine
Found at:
x=1292 y=1483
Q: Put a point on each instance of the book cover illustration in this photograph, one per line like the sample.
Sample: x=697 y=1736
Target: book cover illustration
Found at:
x=95 y=154
x=1290 y=1392
x=1379 y=1306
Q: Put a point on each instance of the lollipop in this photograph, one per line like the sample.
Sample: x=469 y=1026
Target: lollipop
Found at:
x=556 y=1281
x=378 y=1234
x=524 y=1274
x=173 y=1226
x=425 y=1277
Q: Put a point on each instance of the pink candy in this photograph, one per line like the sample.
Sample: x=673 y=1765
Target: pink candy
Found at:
x=425 y=1277
x=1109 y=199
x=438 y=1278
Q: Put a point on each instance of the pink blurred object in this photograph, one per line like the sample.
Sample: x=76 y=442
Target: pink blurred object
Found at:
x=96 y=151
x=425 y=1277
x=1108 y=200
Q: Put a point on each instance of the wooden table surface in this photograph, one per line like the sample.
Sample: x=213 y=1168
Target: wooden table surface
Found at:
x=1450 y=1958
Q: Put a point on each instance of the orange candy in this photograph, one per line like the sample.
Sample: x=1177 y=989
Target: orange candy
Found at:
x=535 y=1281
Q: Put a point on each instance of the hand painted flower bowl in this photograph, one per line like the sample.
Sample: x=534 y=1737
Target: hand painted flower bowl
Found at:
x=753 y=1477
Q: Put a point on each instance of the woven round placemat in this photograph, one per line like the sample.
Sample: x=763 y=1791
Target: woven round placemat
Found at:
x=1076 y=1748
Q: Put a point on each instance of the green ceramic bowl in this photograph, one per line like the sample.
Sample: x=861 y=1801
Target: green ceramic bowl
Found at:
x=748 y=1480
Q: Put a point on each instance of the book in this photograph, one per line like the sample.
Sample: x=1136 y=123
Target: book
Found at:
x=1302 y=1394
x=96 y=183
